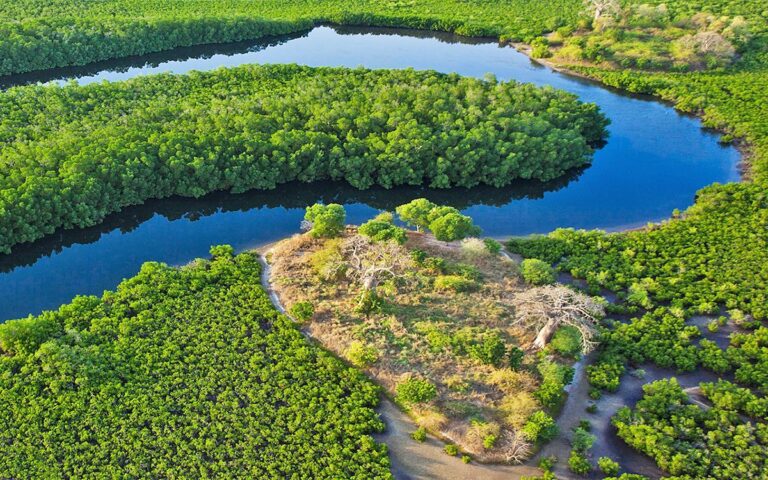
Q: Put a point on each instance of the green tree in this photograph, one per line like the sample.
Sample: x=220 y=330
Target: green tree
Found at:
x=416 y=213
x=381 y=229
x=453 y=226
x=327 y=220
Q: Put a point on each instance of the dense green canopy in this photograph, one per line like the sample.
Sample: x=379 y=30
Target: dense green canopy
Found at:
x=181 y=373
x=71 y=155
x=39 y=34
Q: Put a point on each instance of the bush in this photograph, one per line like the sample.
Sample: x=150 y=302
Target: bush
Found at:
x=540 y=427
x=327 y=220
x=466 y=458
x=578 y=463
x=489 y=350
x=415 y=390
x=420 y=434
x=516 y=355
x=493 y=247
x=302 y=311
x=368 y=303
x=453 y=226
x=474 y=247
x=455 y=283
x=582 y=440
x=451 y=449
x=24 y=336
x=537 y=272
x=361 y=355
x=518 y=408
x=608 y=466
x=567 y=342
x=381 y=229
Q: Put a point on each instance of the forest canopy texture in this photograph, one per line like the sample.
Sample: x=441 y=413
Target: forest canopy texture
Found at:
x=71 y=155
x=181 y=373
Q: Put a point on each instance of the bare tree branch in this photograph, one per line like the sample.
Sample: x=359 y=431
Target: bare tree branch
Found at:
x=370 y=262
x=546 y=308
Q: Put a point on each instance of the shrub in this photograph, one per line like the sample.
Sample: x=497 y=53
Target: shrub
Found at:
x=454 y=282
x=493 y=247
x=326 y=261
x=540 y=427
x=516 y=355
x=466 y=458
x=302 y=311
x=518 y=408
x=554 y=377
x=582 y=440
x=24 y=336
x=361 y=355
x=415 y=390
x=368 y=302
x=452 y=226
x=489 y=350
x=537 y=272
x=451 y=449
x=482 y=434
x=606 y=374
x=474 y=247
x=608 y=466
x=578 y=463
x=420 y=434
x=327 y=220
x=567 y=342
x=381 y=229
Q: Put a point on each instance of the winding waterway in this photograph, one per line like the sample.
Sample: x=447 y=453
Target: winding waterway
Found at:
x=655 y=160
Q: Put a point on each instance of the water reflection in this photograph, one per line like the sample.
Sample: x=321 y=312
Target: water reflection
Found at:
x=654 y=162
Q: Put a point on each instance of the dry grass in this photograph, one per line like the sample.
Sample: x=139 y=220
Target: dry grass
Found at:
x=412 y=336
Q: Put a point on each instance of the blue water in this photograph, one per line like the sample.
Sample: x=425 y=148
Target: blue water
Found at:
x=655 y=160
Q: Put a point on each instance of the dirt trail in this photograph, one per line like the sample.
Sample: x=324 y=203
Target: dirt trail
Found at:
x=412 y=460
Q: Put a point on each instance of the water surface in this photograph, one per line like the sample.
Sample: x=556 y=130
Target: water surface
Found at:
x=655 y=160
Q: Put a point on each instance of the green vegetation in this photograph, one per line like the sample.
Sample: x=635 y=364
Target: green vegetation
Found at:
x=581 y=443
x=71 y=155
x=650 y=36
x=445 y=223
x=381 y=228
x=537 y=272
x=326 y=221
x=361 y=355
x=178 y=373
x=36 y=34
x=420 y=434
x=608 y=466
x=693 y=442
x=540 y=427
x=566 y=342
x=415 y=390
x=449 y=337
x=302 y=311
x=451 y=449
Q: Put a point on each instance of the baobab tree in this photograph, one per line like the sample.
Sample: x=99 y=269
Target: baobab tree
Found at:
x=601 y=8
x=370 y=262
x=544 y=309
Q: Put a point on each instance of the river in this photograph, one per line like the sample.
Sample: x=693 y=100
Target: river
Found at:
x=655 y=160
